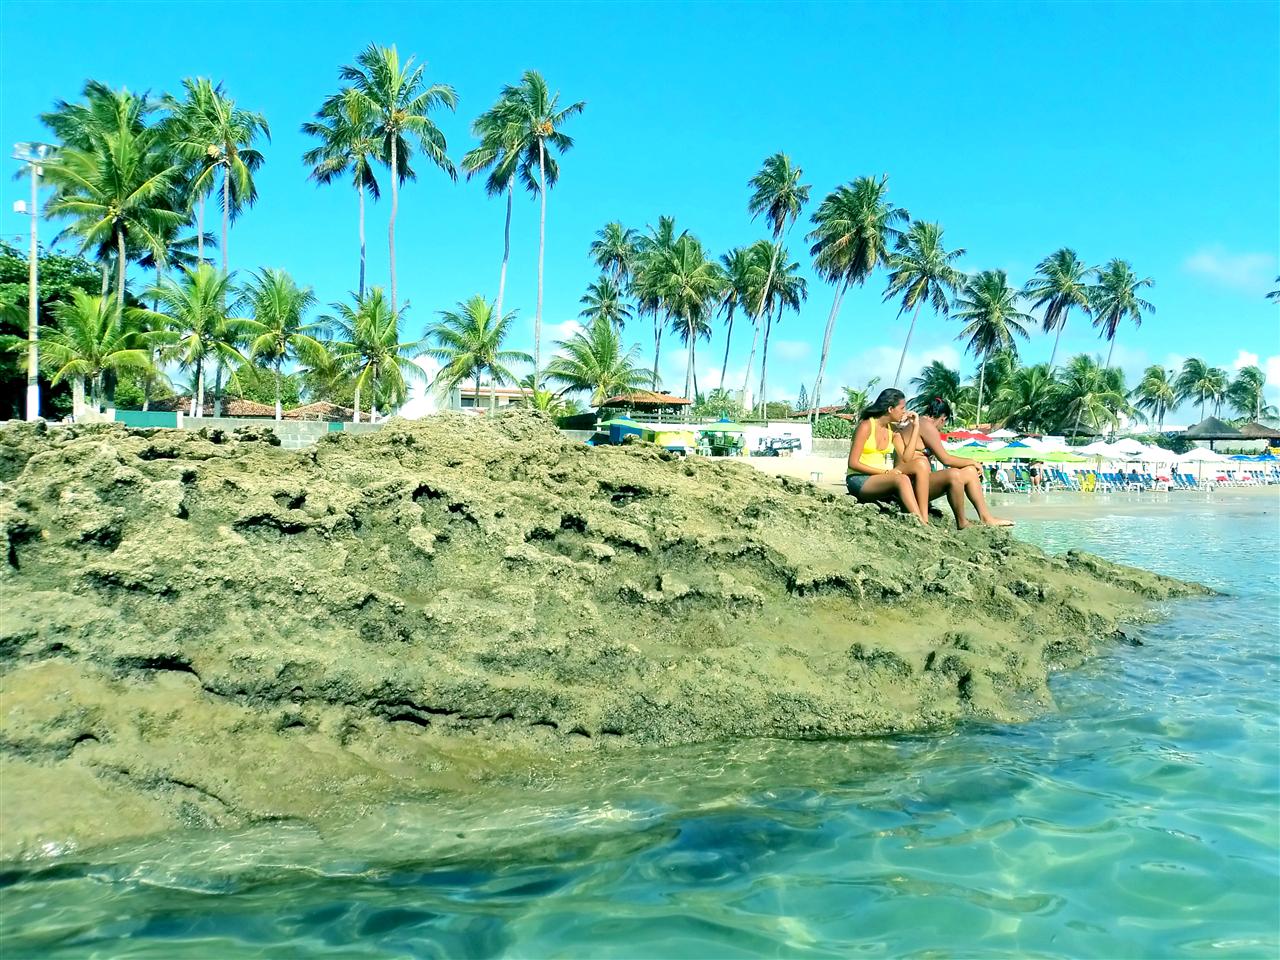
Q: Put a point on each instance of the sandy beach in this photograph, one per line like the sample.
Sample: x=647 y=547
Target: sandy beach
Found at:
x=827 y=473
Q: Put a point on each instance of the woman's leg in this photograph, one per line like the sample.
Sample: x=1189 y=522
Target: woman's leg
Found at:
x=885 y=486
x=920 y=473
x=973 y=488
x=951 y=482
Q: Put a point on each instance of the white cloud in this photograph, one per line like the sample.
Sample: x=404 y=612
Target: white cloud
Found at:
x=1271 y=367
x=1246 y=272
x=1244 y=359
x=561 y=331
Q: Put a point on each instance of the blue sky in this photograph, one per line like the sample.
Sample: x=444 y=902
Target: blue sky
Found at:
x=1146 y=131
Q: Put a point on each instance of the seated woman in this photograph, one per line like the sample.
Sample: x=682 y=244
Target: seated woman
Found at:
x=959 y=476
x=869 y=476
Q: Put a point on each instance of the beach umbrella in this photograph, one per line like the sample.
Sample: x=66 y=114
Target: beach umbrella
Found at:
x=1061 y=456
x=1002 y=434
x=1128 y=445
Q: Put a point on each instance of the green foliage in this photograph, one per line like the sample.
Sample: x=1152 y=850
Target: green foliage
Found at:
x=259 y=385
x=802 y=398
x=777 y=410
x=593 y=360
x=833 y=428
x=717 y=404
x=468 y=341
x=367 y=346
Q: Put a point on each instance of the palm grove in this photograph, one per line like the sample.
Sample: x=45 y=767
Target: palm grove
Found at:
x=141 y=181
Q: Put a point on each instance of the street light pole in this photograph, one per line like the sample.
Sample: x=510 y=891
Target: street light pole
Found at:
x=32 y=154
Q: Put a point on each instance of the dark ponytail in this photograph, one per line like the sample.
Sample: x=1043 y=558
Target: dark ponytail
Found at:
x=887 y=400
x=938 y=409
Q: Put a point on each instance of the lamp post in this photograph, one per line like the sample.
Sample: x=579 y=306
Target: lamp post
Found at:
x=32 y=154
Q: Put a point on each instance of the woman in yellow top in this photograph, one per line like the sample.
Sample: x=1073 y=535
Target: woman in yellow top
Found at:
x=870 y=477
x=959 y=476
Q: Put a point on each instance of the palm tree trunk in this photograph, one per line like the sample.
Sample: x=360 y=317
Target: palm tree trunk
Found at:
x=982 y=382
x=728 y=338
x=1058 y=336
x=688 y=369
x=506 y=252
x=362 y=241
x=106 y=274
x=897 y=377
x=751 y=358
x=816 y=396
x=200 y=232
x=77 y=397
x=119 y=275
x=476 y=401
x=199 y=398
x=493 y=391
x=279 y=406
x=657 y=343
x=764 y=366
x=1110 y=350
x=542 y=247
x=226 y=213
x=217 y=387
x=355 y=401
x=391 y=227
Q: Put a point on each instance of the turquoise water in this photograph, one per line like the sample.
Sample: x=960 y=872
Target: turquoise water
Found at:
x=1139 y=820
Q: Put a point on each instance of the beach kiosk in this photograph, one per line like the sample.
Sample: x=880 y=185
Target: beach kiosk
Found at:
x=724 y=438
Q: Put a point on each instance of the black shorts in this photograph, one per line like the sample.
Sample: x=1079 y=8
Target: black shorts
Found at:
x=854 y=482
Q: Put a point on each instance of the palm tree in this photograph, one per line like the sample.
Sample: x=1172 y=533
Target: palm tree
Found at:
x=649 y=276
x=276 y=331
x=989 y=307
x=1090 y=392
x=853 y=229
x=116 y=186
x=348 y=144
x=937 y=381
x=537 y=115
x=787 y=292
x=1060 y=285
x=192 y=306
x=468 y=341
x=593 y=359
x=365 y=340
x=1115 y=298
x=90 y=339
x=1200 y=382
x=739 y=271
x=776 y=192
x=614 y=250
x=690 y=285
x=500 y=152
x=399 y=100
x=550 y=402
x=1246 y=392
x=1274 y=295
x=920 y=270
x=1156 y=393
x=857 y=399
x=1028 y=400
x=217 y=138
x=605 y=298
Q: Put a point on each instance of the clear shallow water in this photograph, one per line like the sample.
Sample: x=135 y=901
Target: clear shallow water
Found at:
x=1140 y=819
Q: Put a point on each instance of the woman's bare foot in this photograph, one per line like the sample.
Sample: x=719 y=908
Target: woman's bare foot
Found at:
x=961 y=523
x=997 y=522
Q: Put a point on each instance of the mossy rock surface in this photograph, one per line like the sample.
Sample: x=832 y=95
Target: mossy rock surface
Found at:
x=210 y=630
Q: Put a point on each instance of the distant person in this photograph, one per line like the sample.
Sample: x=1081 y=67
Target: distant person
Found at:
x=957 y=477
x=869 y=476
x=1002 y=478
x=1033 y=472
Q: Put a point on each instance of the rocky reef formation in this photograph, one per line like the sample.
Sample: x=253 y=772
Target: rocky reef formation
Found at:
x=206 y=629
